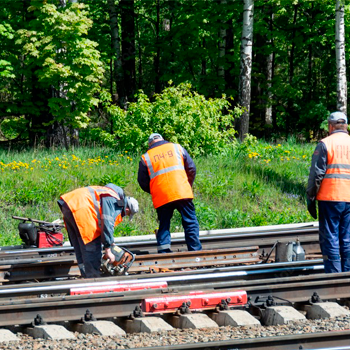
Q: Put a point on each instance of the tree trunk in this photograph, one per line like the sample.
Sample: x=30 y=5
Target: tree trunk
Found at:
x=290 y=110
x=269 y=75
x=115 y=43
x=157 y=87
x=140 y=57
x=203 y=60
x=128 y=48
x=222 y=49
x=340 y=57
x=246 y=67
x=229 y=84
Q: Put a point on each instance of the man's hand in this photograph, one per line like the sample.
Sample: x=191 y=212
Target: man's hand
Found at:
x=109 y=255
x=311 y=207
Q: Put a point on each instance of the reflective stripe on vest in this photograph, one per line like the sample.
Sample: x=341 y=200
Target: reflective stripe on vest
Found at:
x=335 y=185
x=179 y=166
x=168 y=178
x=85 y=205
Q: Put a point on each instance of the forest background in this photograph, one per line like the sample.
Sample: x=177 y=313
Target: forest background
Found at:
x=82 y=75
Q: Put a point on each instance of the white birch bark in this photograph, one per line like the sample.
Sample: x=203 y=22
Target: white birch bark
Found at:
x=268 y=109
x=246 y=66
x=340 y=57
x=269 y=76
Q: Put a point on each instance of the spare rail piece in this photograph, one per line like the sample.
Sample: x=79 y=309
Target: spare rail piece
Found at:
x=194 y=301
x=118 y=287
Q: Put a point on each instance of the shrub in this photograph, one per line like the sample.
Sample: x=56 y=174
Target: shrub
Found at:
x=202 y=126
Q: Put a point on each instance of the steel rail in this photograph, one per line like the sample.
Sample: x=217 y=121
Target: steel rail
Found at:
x=59 y=261
x=122 y=304
x=53 y=267
x=249 y=272
x=308 y=237
x=337 y=340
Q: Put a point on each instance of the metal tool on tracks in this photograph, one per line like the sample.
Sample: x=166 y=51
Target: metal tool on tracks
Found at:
x=40 y=234
x=123 y=261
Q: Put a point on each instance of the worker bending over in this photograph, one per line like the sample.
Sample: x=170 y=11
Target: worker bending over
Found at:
x=90 y=215
x=167 y=172
x=329 y=183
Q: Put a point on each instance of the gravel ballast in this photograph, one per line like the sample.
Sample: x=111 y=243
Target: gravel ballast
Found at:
x=176 y=336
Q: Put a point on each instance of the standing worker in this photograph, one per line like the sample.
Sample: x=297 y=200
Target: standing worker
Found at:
x=167 y=172
x=90 y=215
x=329 y=183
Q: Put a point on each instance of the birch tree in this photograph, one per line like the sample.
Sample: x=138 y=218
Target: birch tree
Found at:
x=340 y=56
x=246 y=67
x=269 y=75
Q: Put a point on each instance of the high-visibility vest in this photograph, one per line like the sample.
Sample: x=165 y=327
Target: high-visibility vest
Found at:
x=168 y=178
x=335 y=185
x=85 y=205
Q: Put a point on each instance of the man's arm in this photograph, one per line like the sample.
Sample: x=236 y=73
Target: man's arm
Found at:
x=110 y=211
x=143 y=177
x=190 y=167
x=317 y=171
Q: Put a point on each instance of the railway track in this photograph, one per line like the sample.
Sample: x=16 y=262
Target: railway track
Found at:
x=41 y=286
x=296 y=291
x=55 y=304
x=317 y=341
x=18 y=264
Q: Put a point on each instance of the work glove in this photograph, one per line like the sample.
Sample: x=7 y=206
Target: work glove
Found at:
x=311 y=207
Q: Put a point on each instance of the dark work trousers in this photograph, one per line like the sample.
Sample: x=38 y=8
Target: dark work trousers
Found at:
x=189 y=221
x=334 y=235
x=88 y=255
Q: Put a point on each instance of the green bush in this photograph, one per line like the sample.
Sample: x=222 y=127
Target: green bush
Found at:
x=202 y=126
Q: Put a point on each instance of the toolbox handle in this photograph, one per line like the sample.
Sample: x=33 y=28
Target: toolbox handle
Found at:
x=37 y=221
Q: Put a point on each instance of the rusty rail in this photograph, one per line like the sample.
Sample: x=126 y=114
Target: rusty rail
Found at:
x=66 y=266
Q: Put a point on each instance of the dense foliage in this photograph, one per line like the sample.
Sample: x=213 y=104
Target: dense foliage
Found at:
x=179 y=114
x=68 y=65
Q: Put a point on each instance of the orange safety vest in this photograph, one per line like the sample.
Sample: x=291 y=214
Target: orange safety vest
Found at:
x=168 y=178
x=335 y=185
x=85 y=205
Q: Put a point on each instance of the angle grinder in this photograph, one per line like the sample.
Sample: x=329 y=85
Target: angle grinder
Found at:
x=123 y=261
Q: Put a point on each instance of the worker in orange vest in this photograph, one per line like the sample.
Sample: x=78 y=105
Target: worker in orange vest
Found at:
x=90 y=215
x=167 y=172
x=329 y=184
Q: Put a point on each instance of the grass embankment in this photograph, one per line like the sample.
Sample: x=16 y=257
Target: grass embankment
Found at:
x=252 y=185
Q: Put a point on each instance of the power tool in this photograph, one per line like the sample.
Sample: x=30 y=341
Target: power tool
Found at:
x=123 y=261
x=40 y=234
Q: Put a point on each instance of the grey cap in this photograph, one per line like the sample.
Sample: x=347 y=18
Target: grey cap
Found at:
x=133 y=205
x=155 y=136
x=338 y=118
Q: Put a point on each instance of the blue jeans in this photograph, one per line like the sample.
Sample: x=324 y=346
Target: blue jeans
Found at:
x=189 y=221
x=88 y=255
x=334 y=235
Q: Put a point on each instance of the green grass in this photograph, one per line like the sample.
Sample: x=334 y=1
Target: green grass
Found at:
x=255 y=184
